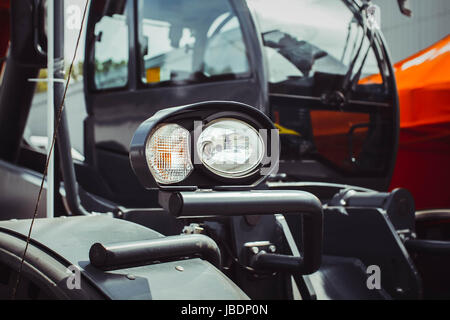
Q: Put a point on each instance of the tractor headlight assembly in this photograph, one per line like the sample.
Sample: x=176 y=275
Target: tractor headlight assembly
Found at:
x=230 y=148
x=208 y=145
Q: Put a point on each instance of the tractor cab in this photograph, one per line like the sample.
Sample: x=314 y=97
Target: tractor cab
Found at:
x=309 y=65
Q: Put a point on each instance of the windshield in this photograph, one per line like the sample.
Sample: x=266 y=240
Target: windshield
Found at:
x=306 y=40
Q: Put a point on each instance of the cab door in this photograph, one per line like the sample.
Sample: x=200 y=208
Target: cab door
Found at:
x=145 y=55
x=332 y=91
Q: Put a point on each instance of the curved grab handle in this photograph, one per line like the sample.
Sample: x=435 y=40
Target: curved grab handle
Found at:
x=264 y=202
x=117 y=255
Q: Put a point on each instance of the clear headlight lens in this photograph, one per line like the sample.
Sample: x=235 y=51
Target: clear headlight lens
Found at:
x=230 y=148
x=168 y=154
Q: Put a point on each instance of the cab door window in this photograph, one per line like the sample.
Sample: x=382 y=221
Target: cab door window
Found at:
x=189 y=42
x=225 y=50
x=111 y=50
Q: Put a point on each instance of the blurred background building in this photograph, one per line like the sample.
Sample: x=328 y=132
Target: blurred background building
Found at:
x=405 y=36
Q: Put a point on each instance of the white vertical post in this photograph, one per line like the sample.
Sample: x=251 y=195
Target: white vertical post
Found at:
x=50 y=109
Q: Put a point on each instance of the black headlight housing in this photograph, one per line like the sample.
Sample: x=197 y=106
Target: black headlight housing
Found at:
x=191 y=117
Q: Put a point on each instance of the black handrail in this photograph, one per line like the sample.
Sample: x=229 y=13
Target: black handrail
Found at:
x=241 y=203
x=117 y=255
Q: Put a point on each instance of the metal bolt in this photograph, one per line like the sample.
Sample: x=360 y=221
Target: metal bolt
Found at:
x=272 y=248
x=179 y=268
x=131 y=277
x=255 y=250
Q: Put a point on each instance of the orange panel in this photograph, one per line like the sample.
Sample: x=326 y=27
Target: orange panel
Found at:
x=423 y=161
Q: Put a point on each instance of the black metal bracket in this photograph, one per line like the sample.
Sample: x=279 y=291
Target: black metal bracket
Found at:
x=203 y=204
x=403 y=8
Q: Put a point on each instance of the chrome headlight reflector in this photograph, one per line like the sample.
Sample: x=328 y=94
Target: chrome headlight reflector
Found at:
x=167 y=153
x=230 y=148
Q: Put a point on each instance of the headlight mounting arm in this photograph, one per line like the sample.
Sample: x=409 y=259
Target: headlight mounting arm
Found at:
x=241 y=203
